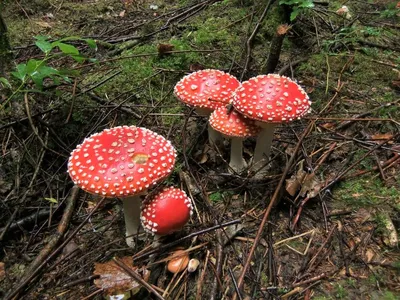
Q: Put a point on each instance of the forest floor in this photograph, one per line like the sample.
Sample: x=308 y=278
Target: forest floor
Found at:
x=333 y=229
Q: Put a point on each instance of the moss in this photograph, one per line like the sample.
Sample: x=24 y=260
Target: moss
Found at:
x=215 y=197
x=362 y=192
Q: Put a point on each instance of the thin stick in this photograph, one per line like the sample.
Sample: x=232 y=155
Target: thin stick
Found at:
x=293 y=237
x=138 y=278
x=235 y=284
x=61 y=229
x=269 y=208
x=166 y=246
x=203 y=273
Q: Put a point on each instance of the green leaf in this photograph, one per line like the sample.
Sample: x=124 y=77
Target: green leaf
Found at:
x=5 y=82
x=66 y=48
x=294 y=14
x=42 y=37
x=43 y=45
x=91 y=43
x=41 y=73
x=306 y=4
x=21 y=72
x=32 y=66
x=47 y=71
x=79 y=58
x=37 y=78
x=52 y=200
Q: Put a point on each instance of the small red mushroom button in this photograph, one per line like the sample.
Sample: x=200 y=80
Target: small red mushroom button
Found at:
x=166 y=212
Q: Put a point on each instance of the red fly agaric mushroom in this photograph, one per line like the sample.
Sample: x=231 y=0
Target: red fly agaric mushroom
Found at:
x=166 y=212
x=236 y=127
x=207 y=90
x=270 y=99
x=122 y=162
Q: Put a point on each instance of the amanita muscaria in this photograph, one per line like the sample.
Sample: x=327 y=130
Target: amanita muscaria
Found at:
x=235 y=127
x=270 y=99
x=166 y=211
x=122 y=162
x=207 y=90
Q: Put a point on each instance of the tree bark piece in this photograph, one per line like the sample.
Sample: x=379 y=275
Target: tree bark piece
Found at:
x=276 y=47
x=5 y=53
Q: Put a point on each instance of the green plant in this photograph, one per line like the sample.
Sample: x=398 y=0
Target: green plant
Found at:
x=340 y=292
x=298 y=6
x=31 y=75
x=390 y=11
x=215 y=197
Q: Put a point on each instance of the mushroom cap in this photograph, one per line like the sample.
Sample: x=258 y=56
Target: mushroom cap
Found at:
x=179 y=261
x=121 y=161
x=166 y=212
x=271 y=98
x=233 y=123
x=206 y=88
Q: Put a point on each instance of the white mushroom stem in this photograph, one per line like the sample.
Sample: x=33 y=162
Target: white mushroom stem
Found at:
x=237 y=162
x=264 y=142
x=131 y=206
x=213 y=135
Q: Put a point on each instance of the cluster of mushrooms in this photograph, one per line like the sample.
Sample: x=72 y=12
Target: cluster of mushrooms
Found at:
x=126 y=161
x=240 y=110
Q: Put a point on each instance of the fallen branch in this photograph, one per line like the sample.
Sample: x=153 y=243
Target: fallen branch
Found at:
x=15 y=291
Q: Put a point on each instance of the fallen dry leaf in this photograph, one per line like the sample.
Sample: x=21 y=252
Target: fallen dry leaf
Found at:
x=328 y=125
x=164 y=48
x=369 y=254
x=114 y=280
x=43 y=24
x=307 y=183
x=383 y=136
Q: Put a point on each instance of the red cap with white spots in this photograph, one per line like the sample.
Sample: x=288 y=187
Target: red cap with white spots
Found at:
x=233 y=123
x=166 y=212
x=206 y=88
x=121 y=161
x=271 y=98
